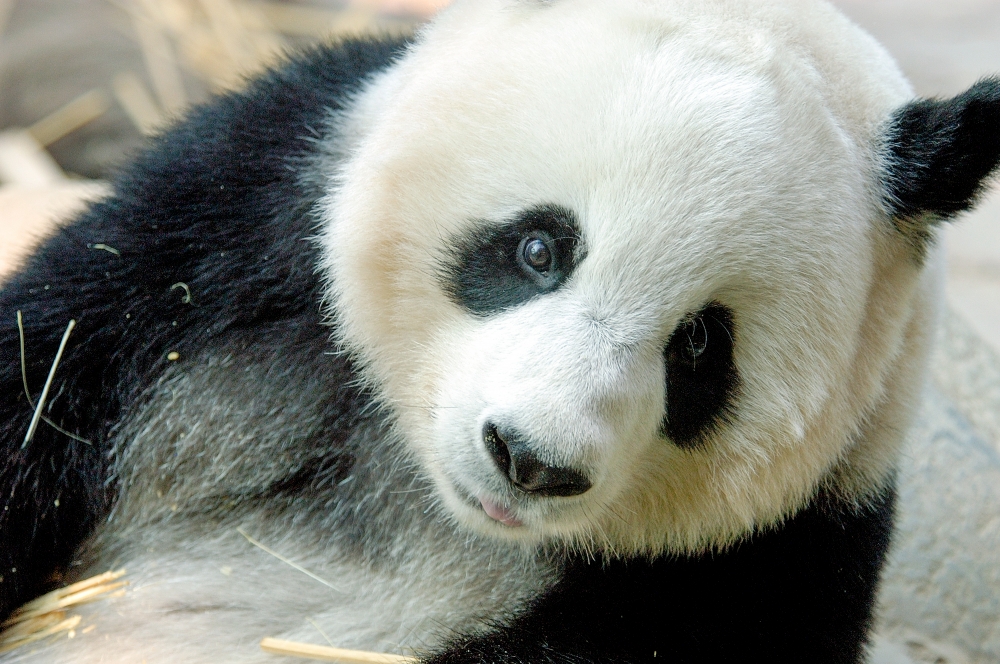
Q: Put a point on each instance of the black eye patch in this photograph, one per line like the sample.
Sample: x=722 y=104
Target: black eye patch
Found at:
x=499 y=266
x=702 y=379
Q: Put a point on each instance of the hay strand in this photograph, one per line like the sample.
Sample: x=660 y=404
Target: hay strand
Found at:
x=48 y=384
x=227 y=26
x=84 y=109
x=61 y=594
x=47 y=615
x=186 y=299
x=306 y=21
x=105 y=247
x=22 y=638
x=328 y=654
x=27 y=391
x=78 y=598
x=158 y=55
x=139 y=105
x=26 y=163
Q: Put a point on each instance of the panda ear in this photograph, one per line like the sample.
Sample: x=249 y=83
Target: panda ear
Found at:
x=940 y=154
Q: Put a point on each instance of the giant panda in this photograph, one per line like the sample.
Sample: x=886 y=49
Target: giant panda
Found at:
x=564 y=331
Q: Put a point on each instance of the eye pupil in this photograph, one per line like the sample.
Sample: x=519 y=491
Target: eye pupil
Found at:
x=537 y=254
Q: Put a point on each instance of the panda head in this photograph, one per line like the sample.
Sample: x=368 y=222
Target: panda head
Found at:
x=641 y=275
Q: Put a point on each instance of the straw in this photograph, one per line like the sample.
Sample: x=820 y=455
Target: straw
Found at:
x=328 y=654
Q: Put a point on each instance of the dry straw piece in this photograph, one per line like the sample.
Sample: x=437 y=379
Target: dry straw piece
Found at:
x=327 y=654
x=67 y=119
x=23 y=158
x=219 y=43
x=48 y=615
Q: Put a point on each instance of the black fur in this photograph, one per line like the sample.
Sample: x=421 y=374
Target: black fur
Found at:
x=702 y=379
x=801 y=593
x=941 y=152
x=217 y=204
x=487 y=275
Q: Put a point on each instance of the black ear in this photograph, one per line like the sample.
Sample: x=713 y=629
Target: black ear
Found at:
x=940 y=154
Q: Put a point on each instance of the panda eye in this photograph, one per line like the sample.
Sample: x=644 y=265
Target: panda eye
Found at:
x=535 y=252
x=701 y=375
x=497 y=265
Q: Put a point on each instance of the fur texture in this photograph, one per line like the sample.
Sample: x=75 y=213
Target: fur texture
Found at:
x=570 y=331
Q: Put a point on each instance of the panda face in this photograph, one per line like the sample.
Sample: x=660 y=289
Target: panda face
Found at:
x=621 y=273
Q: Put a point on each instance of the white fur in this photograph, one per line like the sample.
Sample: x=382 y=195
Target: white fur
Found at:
x=210 y=600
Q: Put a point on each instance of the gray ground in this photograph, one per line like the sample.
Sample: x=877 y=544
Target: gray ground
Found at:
x=942 y=588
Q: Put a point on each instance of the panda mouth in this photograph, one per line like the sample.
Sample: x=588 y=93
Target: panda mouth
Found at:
x=499 y=513
x=494 y=509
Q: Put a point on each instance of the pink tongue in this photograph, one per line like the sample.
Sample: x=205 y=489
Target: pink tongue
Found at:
x=501 y=514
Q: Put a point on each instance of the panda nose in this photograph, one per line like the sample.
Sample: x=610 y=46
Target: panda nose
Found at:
x=526 y=471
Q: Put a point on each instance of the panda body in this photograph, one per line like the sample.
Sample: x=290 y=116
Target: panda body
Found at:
x=568 y=331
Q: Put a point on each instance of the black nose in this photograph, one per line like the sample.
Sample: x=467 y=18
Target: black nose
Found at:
x=526 y=471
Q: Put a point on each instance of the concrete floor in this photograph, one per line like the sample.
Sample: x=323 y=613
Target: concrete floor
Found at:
x=944 y=46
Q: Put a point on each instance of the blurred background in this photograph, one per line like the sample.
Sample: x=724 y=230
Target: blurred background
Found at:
x=125 y=66
x=81 y=82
